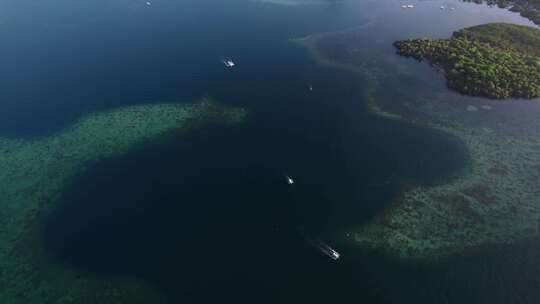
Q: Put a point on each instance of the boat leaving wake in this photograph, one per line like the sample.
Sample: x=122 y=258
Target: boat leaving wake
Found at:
x=324 y=248
x=228 y=62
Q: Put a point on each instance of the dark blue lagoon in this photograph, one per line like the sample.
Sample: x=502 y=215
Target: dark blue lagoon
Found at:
x=137 y=167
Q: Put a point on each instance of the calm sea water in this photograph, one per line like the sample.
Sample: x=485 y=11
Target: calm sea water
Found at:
x=208 y=216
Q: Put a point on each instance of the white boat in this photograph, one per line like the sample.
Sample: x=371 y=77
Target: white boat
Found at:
x=228 y=63
x=149 y=3
x=327 y=250
x=290 y=181
x=310 y=87
x=407 y=6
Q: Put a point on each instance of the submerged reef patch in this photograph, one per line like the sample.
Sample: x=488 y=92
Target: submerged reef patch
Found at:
x=33 y=174
x=477 y=209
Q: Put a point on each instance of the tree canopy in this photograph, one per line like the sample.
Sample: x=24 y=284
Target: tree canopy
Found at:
x=495 y=60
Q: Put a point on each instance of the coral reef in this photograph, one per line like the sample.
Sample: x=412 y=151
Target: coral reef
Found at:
x=34 y=172
x=487 y=205
x=493 y=201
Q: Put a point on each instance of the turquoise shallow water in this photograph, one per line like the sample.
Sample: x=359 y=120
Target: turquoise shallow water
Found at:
x=208 y=216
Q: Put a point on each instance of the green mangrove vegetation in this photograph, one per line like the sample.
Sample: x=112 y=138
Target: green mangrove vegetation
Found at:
x=496 y=60
x=529 y=9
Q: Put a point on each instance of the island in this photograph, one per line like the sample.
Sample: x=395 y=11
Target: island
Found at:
x=33 y=174
x=496 y=60
x=492 y=200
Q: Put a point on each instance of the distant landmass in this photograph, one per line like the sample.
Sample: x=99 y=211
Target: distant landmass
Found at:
x=299 y=2
x=496 y=60
x=494 y=200
x=529 y=9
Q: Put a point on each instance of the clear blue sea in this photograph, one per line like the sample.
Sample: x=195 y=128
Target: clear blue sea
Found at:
x=207 y=216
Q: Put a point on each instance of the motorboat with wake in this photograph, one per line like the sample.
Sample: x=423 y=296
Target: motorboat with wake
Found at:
x=324 y=248
x=327 y=250
x=228 y=62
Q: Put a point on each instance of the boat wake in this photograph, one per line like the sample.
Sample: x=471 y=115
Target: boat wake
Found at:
x=324 y=248
x=228 y=62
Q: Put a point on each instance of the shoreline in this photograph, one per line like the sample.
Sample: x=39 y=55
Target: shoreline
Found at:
x=494 y=203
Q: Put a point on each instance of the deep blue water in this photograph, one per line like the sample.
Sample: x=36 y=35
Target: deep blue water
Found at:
x=207 y=216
